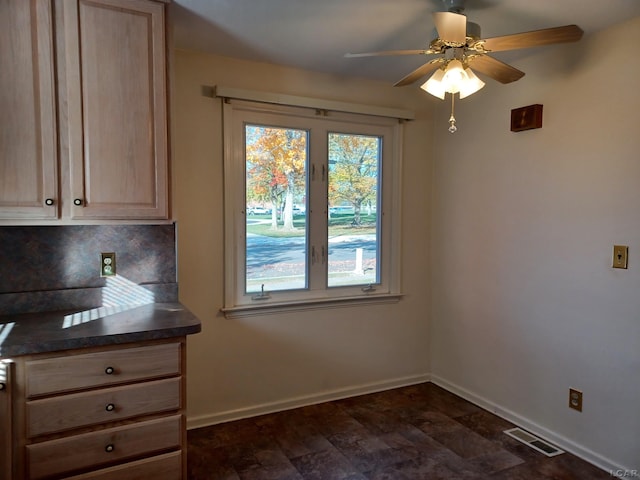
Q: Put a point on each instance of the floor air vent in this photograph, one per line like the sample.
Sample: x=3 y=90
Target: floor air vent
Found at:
x=534 y=442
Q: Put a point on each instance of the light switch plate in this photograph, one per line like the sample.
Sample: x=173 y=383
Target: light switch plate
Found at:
x=108 y=264
x=620 y=256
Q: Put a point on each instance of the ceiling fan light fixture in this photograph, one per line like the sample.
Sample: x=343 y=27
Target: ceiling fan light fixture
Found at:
x=471 y=85
x=434 y=85
x=454 y=77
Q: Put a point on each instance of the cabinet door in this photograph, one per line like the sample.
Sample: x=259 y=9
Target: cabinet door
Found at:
x=28 y=146
x=117 y=101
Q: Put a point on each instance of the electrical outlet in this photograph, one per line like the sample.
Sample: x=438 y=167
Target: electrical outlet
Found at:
x=575 y=399
x=108 y=264
x=620 y=256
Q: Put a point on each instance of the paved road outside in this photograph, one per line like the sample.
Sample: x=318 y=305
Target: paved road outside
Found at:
x=279 y=263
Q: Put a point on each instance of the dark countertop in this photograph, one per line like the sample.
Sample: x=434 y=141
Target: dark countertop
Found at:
x=44 y=332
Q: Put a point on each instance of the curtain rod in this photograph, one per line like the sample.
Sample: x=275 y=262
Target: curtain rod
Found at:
x=292 y=100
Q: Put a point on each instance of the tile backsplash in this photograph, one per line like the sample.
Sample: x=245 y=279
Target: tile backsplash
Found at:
x=58 y=267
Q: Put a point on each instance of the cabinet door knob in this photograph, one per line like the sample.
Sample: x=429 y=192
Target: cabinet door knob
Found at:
x=2 y=386
x=77 y=201
x=109 y=448
x=49 y=201
x=110 y=407
x=109 y=370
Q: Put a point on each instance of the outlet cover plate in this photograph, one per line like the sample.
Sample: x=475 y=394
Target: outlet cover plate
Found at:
x=575 y=399
x=108 y=264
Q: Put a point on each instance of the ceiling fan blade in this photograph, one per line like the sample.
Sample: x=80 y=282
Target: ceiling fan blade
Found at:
x=388 y=52
x=536 y=38
x=418 y=73
x=451 y=27
x=495 y=69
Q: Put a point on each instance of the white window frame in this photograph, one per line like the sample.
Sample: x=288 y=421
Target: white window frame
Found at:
x=236 y=114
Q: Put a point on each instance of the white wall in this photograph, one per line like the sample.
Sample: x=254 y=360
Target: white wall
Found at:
x=242 y=367
x=526 y=303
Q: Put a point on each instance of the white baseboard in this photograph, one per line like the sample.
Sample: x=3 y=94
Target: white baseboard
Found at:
x=523 y=422
x=302 y=401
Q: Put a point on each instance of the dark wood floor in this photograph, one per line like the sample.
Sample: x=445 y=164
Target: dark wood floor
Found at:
x=412 y=433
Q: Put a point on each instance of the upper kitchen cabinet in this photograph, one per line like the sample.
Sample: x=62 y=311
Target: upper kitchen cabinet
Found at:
x=106 y=158
x=116 y=100
x=28 y=135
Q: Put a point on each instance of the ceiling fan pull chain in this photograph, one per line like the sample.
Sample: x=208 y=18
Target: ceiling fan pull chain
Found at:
x=452 y=119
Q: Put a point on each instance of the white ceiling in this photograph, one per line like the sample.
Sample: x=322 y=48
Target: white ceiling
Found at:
x=315 y=34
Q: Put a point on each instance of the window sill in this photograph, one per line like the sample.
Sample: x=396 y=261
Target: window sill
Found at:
x=308 y=305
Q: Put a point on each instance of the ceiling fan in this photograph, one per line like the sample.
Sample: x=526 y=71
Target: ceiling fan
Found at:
x=458 y=38
x=459 y=45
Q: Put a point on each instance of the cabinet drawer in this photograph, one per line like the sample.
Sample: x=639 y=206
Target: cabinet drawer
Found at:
x=65 y=412
x=74 y=372
x=162 y=467
x=104 y=447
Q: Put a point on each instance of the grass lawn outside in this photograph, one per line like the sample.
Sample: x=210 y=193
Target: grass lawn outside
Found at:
x=339 y=224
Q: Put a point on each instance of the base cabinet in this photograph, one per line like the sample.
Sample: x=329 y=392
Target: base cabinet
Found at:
x=101 y=413
x=6 y=419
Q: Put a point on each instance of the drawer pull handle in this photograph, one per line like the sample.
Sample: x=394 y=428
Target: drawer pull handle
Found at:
x=77 y=201
x=109 y=370
x=49 y=202
x=109 y=448
x=110 y=407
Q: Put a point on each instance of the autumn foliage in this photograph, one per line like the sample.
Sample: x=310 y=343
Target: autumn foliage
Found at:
x=276 y=163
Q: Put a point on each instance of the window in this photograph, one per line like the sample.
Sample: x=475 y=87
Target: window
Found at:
x=312 y=211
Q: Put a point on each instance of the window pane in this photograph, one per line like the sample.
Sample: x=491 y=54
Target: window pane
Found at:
x=353 y=194
x=275 y=198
